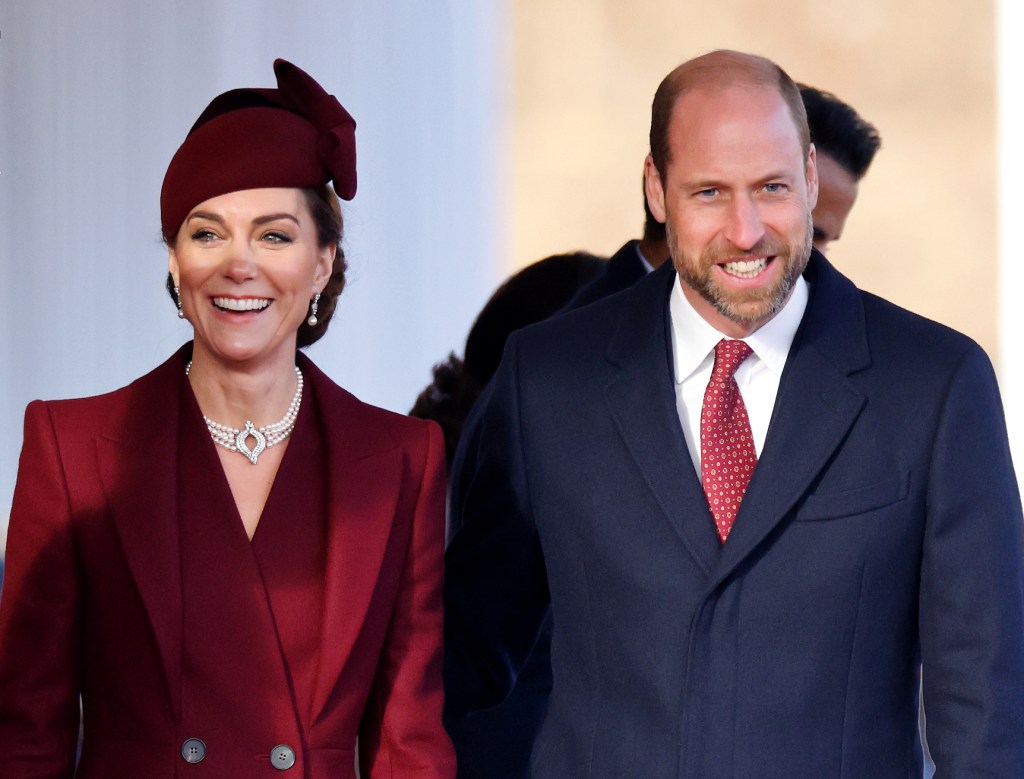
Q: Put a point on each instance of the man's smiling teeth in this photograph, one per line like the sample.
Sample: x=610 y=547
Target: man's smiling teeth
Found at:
x=243 y=304
x=746 y=269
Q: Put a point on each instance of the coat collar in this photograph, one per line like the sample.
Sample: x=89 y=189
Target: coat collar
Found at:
x=137 y=461
x=815 y=408
x=365 y=472
x=830 y=345
x=137 y=464
x=641 y=398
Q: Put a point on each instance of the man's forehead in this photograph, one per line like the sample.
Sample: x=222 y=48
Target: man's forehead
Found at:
x=709 y=115
x=736 y=133
x=715 y=98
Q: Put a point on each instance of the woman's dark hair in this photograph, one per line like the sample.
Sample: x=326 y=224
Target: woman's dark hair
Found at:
x=326 y=212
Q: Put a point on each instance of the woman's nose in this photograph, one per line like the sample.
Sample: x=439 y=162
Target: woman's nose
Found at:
x=240 y=264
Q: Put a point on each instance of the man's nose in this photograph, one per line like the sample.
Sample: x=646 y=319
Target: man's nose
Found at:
x=745 y=226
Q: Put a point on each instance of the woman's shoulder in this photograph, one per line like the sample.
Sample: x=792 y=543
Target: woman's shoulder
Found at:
x=102 y=410
x=338 y=406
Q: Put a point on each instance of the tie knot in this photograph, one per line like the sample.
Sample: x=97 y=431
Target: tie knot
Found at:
x=728 y=356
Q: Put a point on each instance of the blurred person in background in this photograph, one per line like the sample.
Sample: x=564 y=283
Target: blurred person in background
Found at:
x=845 y=145
x=496 y=744
x=634 y=260
x=529 y=295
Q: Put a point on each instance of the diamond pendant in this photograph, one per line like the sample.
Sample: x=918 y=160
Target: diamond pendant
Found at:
x=240 y=439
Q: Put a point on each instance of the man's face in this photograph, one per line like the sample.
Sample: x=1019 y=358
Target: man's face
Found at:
x=837 y=191
x=736 y=200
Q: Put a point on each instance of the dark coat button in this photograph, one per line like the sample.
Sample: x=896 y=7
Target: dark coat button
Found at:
x=193 y=750
x=282 y=757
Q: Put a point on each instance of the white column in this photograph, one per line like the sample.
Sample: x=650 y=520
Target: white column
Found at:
x=1011 y=224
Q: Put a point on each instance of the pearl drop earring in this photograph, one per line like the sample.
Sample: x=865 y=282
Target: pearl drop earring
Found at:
x=177 y=300
x=312 y=310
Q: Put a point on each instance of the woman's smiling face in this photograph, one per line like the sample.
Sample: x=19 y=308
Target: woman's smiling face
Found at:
x=247 y=264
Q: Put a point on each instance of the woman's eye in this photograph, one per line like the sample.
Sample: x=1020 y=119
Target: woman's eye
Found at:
x=204 y=235
x=277 y=237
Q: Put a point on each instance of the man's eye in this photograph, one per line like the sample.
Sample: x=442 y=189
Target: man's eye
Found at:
x=774 y=187
x=709 y=192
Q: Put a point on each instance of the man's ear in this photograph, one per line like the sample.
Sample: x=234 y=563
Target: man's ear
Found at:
x=812 y=177
x=654 y=189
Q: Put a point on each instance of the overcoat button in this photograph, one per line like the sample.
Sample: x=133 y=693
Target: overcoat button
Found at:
x=282 y=757
x=193 y=750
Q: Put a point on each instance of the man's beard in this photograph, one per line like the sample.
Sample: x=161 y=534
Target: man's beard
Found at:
x=746 y=306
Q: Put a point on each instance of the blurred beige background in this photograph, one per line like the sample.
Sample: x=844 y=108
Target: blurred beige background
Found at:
x=924 y=230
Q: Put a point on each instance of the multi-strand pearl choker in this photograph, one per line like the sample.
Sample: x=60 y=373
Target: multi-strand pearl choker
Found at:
x=235 y=440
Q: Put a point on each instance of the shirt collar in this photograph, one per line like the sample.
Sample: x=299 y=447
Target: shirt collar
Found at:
x=693 y=339
x=643 y=260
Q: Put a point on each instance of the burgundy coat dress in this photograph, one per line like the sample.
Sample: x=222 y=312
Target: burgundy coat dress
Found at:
x=216 y=673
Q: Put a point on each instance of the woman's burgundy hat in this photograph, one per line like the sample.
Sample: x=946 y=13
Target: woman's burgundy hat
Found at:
x=294 y=136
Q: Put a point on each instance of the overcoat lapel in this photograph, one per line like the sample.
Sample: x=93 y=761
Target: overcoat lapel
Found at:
x=138 y=468
x=641 y=398
x=815 y=408
x=364 y=483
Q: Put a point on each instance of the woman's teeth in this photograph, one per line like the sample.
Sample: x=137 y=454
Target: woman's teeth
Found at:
x=746 y=269
x=243 y=304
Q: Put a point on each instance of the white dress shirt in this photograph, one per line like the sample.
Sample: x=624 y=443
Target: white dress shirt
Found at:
x=693 y=356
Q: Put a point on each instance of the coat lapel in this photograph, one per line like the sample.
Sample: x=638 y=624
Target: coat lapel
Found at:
x=365 y=480
x=815 y=408
x=641 y=398
x=138 y=469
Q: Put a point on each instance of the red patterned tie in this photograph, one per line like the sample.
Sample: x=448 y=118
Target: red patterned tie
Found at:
x=727 y=453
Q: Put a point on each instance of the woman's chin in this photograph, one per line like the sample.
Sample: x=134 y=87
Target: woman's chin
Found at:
x=245 y=351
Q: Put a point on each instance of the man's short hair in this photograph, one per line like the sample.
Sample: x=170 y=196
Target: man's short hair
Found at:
x=839 y=131
x=720 y=69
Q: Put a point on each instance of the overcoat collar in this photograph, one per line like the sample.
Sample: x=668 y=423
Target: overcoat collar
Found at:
x=137 y=463
x=814 y=409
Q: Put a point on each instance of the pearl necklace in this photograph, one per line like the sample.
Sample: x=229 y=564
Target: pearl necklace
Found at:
x=235 y=440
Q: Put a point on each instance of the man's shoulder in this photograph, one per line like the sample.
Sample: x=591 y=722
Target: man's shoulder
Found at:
x=843 y=311
x=622 y=270
x=593 y=325
x=889 y=323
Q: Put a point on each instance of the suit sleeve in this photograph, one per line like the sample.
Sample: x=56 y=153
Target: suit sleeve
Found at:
x=39 y=613
x=972 y=587
x=401 y=734
x=496 y=590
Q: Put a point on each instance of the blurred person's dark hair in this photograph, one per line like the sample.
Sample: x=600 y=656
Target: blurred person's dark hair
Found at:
x=531 y=295
x=839 y=131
